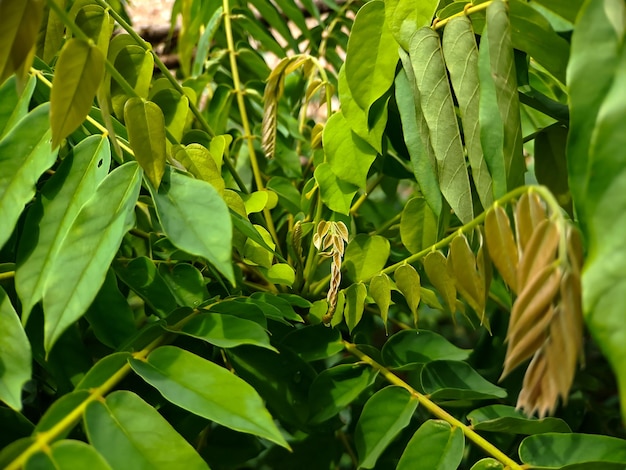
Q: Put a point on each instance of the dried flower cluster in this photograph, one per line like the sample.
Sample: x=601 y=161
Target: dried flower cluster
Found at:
x=541 y=264
x=330 y=239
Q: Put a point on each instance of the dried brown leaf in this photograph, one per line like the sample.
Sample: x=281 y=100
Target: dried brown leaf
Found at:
x=539 y=253
x=529 y=213
x=437 y=271
x=501 y=244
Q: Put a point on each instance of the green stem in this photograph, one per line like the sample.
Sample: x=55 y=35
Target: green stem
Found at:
x=396 y=218
x=467 y=11
x=7 y=275
x=239 y=92
x=434 y=409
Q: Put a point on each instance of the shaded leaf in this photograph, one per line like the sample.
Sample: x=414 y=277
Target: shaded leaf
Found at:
x=15 y=354
x=207 y=390
x=409 y=349
x=380 y=290
x=14 y=102
x=384 y=415
x=404 y=16
x=501 y=418
x=337 y=387
x=418 y=225
x=501 y=245
x=336 y=193
x=355 y=303
x=77 y=76
x=314 y=342
x=88 y=249
x=454 y=380
x=195 y=219
x=550 y=163
x=128 y=432
x=436 y=267
x=487 y=464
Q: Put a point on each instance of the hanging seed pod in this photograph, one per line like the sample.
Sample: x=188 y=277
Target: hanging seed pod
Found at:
x=540 y=251
x=436 y=269
x=501 y=244
x=529 y=213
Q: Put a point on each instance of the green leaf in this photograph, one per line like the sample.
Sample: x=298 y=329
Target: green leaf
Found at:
x=408 y=283
x=365 y=256
x=104 y=369
x=533 y=34
x=273 y=306
x=48 y=222
x=110 y=316
x=336 y=193
x=67 y=454
x=349 y=156
x=405 y=16
x=587 y=451
x=372 y=55
x=380 y=291
x=453 y=380
x=25 y=153
x=438 y=109
x=15 y=355
x=357 y=118
x=281 y=273
x=207 y=390
x=142 y=277
x=135 y=64
x=416 y=136
x=436 y=267
x=409 y=349
x=200 y=163
x=598 y=181
x=487 y=464
x=77 y=76
x=19 y=23
x=418 y=225
x=314 y=342
x=14 y=103
x=186 y=283
x=146 y=134
x=283 y=380
x=501 y=418
x=129 y=433
x=567 y=9
x=175 y=109
x=551 y=164
x=88 y=249
x=337 y=387
x=384 y=415
x=226 y=331
x=435 y=445
x=195 y=219
x=502 y=76
x=355 y=303
x=461 y=55
x=288 y=194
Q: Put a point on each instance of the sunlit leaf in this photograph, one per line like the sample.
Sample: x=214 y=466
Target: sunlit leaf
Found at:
x=355 y=303
x=195 y=219
x=365 y=256
x=454 y=380
x=25 y=153
x=78 y=73
x=129 y=432
x=418 y=225
x=88 y=249
x=13 y=103
x=67 y=454
x=208 y=390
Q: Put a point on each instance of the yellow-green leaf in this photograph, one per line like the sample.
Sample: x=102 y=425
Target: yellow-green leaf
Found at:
x=355 y=303
x=78 y=73
x=200 y=163
x=408 y=282
x=380 y=291
x=146 y=134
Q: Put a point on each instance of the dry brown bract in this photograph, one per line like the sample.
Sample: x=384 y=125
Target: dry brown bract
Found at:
x=546 y=319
